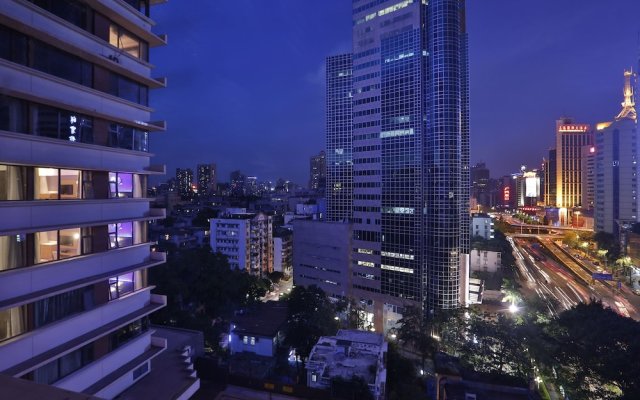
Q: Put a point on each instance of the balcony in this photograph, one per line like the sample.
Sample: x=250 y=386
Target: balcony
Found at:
x=50 y=28
x=38 y=86
x=143 y=346
x=23 y=149
x=24 y=285
x=31 y=350
x=130 y=19
x=43 y=214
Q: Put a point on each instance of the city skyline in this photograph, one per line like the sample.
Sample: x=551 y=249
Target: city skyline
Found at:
x=574 y=71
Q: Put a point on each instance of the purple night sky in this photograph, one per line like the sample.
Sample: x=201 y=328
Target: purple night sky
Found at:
x=246 y=78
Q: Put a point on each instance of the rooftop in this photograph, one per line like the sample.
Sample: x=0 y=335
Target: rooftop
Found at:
x=349 y=353
x=265 y=319
x=16 y=388
x=169 y=377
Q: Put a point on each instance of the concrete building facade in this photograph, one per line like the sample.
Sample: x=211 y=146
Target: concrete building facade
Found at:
x=74 y=162
x=246 y=239
x=616 y=197
x=322 y=256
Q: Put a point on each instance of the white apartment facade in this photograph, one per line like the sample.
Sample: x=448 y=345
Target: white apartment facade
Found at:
x=246 y=239
x=74 y=162
x=482 y=225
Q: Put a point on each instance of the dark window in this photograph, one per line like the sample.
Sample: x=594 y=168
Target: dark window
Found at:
x=127 y=89
x=13 y=114
x=61 y=124
x=62 y=305
x=70 y=10
x=51 y=60
x=125 y=137
x=13 y=46
x=141 y=5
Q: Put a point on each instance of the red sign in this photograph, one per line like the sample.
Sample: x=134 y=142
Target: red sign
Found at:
x=506 y=195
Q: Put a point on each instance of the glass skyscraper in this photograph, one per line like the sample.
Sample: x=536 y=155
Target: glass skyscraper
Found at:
x=339 y=130
x=410 y=154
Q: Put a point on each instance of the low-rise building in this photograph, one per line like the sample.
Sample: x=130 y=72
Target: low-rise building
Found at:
x=322 y=256
x=245 y=238
x=348 y=354
x=485 y=260
x=258 y=330
x=482 y=225
x=283 y=251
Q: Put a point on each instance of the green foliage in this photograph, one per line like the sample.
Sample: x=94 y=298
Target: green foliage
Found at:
x=496 y=346
x=203 y=217
x=606 y=241
x=416 y=332
x=352 y=313
x=311 y=315
x=355 y=388
x=200 y=289
x=402 y=380
x=276 y=276
x=595 y=352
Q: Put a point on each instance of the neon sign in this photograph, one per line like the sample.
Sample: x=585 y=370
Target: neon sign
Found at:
x=573 y=128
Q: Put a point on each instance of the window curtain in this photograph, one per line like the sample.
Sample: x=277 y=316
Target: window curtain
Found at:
x=13 y=322
x=12 y=251
x=139 y=232
x=12 y=187
x=137 y=186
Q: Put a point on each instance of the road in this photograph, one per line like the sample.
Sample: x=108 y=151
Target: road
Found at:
x=564 y=284
x=279 y=289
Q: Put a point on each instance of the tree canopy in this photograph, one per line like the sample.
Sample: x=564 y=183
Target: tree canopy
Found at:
x=311 y=315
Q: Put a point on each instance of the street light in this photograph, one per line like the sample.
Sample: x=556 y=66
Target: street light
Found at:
x=513 y=308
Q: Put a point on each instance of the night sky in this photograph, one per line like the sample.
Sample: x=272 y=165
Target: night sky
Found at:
x=246 y=78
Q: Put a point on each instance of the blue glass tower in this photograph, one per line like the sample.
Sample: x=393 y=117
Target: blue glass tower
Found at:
x=339 y=130
x=410 y=110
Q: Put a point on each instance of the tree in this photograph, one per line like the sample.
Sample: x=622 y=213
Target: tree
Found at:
x=355 y=388
x=353 y=313
x=402 y=380
x=496 y=346
x=203 y=217
x=200 y=289
x=624 y=263
x=415 y=331
x=606 y=241
x=594 y=352
x=311 y=315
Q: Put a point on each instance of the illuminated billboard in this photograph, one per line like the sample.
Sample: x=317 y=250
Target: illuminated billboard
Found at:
x=532 y=186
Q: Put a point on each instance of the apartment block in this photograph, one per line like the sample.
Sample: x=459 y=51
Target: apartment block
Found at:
x=75 y=123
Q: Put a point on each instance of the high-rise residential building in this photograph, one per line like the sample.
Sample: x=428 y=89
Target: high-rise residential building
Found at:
x=283 y=251
x=527 y=187
x=251 y=185
x=207 y=179
x=318 y=171
x=616 y=195
x=549 y=165
x=339 y=128
x=588 y=176
x=410 y=154
x=184 y=180
x=246 y=239
x=480 y=189
x=322 y=256
x=238 y=181
x=570 y=138
x=74 y=163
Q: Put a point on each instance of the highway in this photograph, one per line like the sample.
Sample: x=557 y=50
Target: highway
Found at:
x=565 y=283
